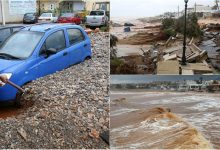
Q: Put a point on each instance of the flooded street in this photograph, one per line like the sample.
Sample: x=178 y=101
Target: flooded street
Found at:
x=201 y=110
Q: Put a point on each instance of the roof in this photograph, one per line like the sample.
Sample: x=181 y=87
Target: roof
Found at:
x=47 y=26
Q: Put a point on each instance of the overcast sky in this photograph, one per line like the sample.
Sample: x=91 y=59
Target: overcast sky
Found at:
x=148 y=8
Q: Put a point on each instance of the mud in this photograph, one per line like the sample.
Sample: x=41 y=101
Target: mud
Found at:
x=197 y=118
x=8 y=109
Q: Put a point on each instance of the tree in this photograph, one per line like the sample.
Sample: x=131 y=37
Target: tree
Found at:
x=113 y=43
x=216 y=6
x=193 y=29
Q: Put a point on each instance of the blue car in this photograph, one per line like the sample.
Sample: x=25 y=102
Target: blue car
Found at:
x=40 y=50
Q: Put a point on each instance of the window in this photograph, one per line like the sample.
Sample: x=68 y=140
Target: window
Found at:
x=52 y=7
x=56 y=41
x=97 y=13
x=25 y=42
x=75 y=36
x=4 y=34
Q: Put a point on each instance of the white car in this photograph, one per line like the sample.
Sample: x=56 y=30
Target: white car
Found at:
x=47 y=17
x=96 y=18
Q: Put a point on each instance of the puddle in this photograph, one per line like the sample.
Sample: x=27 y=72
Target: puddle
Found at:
x=7 y=109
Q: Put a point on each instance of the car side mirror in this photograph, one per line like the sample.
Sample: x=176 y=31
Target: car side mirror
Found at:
x=51 y=51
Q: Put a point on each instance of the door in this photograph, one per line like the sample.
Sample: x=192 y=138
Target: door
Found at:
x=77 y=45
x=54 y=62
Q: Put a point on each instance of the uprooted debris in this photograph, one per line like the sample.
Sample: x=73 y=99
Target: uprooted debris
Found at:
x=195 y=57
x=71 y=107
x=199 y=56
x=144 y=37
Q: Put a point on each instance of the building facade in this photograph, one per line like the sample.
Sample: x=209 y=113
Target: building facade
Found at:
x=60 y=6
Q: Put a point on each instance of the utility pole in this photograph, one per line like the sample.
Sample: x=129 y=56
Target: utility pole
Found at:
x=195 y=7
x=184 y=39
x=178 y=11
x=39 y=7
x=216 y=4
x=3 y=12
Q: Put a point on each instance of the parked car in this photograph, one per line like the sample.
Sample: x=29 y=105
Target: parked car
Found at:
x=69 y=18
x=47 y=17
x=96 y=18
x=6 y=31
x=39 y=50
x=30 y=18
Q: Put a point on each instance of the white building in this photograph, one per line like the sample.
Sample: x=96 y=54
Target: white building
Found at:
x=200 y=10
x=15 y=9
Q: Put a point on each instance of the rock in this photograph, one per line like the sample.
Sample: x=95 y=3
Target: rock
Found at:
x=127 y=24
x=116 y=25
x=94 y=134
x=22 y=133
x=101 y=120
x=127 y=29
x=209 y=43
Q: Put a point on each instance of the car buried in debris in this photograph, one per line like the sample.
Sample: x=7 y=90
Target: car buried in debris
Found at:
x=97 y=18
x=40 y=50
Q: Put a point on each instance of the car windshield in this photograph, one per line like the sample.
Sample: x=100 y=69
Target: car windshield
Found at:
x=67 y=15
x=46 y=15
x=97 y=13
x=21 y=44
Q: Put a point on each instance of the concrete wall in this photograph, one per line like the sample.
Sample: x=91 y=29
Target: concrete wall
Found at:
x=77 y=6
x=89 y=3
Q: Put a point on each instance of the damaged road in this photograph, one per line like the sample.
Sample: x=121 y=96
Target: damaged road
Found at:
x=70 y=107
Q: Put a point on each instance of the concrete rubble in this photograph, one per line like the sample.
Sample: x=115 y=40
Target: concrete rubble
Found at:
x=70 y=110
x=200 y=59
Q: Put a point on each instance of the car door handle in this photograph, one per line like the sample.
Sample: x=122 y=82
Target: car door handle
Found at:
x=65 y=53
x=85 y=45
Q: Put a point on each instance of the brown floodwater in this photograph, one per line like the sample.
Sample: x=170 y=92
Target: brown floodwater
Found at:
x=8 y=109
x=201 y=110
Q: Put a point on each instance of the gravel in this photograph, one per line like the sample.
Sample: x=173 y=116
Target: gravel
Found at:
x=71 y=107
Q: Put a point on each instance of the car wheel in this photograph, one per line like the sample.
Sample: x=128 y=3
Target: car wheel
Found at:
x=88 y=58
x=19 y=101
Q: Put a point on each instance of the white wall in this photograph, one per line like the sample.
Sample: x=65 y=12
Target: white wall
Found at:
x=77 y=6
x=10 y=17
x=0 y=12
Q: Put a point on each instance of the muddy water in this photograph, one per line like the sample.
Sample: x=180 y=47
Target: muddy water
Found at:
x=8 y=110
x=202 y=110
x=128 y=50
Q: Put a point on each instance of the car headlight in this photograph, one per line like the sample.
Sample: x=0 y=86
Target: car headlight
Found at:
x=7 y=75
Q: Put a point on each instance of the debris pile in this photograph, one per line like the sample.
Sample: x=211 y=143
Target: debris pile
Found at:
x=211 y=43
x=150 y=52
